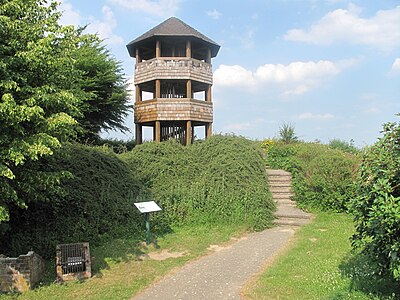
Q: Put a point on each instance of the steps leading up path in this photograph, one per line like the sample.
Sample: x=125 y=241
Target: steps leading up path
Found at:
x=222 y=274
x=280 y=183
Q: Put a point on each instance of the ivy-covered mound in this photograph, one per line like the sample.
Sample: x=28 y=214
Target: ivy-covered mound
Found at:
x=220 y=180
x=96 y=196
x=322 y=177
x=377 y=208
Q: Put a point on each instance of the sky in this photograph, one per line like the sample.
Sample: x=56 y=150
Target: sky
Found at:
x=330 y=68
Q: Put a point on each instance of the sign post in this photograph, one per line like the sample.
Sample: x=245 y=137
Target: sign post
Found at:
x=146 y=208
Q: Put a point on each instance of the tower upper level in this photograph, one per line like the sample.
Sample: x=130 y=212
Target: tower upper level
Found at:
x=173 y=50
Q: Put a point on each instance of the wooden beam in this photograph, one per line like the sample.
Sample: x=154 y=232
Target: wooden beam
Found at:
x=158 y=88
x=189 y=89
x=138 y=93
x=157 y=137
x=138 y=58
x=208 y=58
x=188 y=49
x=158 y=48
x=138 y=132
x=208 y=130
x=208 y=93
x=188 y=132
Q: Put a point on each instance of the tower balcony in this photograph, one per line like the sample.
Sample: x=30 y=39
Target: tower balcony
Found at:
x=173 y=68
x=173 y=109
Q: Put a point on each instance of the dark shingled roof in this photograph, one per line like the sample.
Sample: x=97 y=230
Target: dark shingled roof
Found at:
x=173 y=27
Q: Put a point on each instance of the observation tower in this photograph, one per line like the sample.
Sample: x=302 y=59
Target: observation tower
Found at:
x=173 y=65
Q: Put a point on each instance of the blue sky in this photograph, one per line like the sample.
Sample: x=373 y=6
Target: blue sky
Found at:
x=329 y=67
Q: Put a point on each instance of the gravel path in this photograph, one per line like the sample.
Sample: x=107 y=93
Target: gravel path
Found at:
x=222 y=274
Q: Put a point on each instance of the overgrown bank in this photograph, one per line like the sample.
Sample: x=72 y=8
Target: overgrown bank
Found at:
x=323 y=178
x=219 y=180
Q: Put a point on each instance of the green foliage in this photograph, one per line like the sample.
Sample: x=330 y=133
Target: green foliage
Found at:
x=268 y=144
x=322 y=177
x=376 y=209
x=320 y=265
x=96 y=197
x=344 y=146
x=55 y=84
x=219 y=180
x=105 y=95
x=287 y=133
x=35 y=111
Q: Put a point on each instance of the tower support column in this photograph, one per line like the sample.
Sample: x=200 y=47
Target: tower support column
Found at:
x=139 y=134
x=188 y=132
x=208 y=130
x=157 y=132
x=189 y=89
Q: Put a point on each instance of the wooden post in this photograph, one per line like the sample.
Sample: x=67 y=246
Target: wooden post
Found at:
x=138 y=130
x=208 y=130
x=158 y=49
x=188 y=49
x=157 y=132
x=208 y=58
x=189 y=89
x=138 y=93
x=188 y=132
x=208 y=93
x=138 y=58
x=158 y=88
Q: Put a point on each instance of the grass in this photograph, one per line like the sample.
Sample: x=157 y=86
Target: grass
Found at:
x=121 y=274
x=320 y=265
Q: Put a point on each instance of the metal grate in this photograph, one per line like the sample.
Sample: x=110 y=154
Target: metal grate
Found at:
x=73 y=260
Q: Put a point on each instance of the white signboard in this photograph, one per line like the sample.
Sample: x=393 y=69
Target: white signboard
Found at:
x=147 y=207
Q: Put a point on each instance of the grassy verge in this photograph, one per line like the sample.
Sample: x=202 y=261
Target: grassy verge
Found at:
x=321 y=266
x=122 y=274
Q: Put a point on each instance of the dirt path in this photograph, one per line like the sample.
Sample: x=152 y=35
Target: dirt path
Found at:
x=222 y=274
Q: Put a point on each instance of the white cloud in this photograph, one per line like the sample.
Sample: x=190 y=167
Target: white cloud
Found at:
x=105 y=27
x=295 y=78
x=297 y=71
x=69 y=15
x=161 y=8
x=244 y=125
x=396 y=65
x=311 y=116
x=235 y=75
x=345 y=25
x=215 y=14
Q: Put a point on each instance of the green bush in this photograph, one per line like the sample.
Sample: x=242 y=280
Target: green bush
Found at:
x=94 y=199
x=377 y=208
x=344 y=146
x=219 y=180
x=322 y=177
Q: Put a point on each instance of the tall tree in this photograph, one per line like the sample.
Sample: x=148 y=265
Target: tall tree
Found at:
x=55 y=84
x=105 y=104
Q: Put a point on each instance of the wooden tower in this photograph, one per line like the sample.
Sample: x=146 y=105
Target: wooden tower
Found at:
x=173 y=63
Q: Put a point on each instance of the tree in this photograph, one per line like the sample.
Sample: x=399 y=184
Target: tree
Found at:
x=56 y=84
x=287 y=133
x=104 y=89
x=376 y=209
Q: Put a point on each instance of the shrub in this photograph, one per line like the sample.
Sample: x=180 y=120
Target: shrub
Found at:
x=219 y=180
x=287 y=133
x=377 y=208
x=344 y=146
x=322 y=177
x=94 y=199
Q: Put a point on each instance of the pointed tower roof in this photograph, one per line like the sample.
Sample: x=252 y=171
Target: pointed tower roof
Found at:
x=172 y=27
